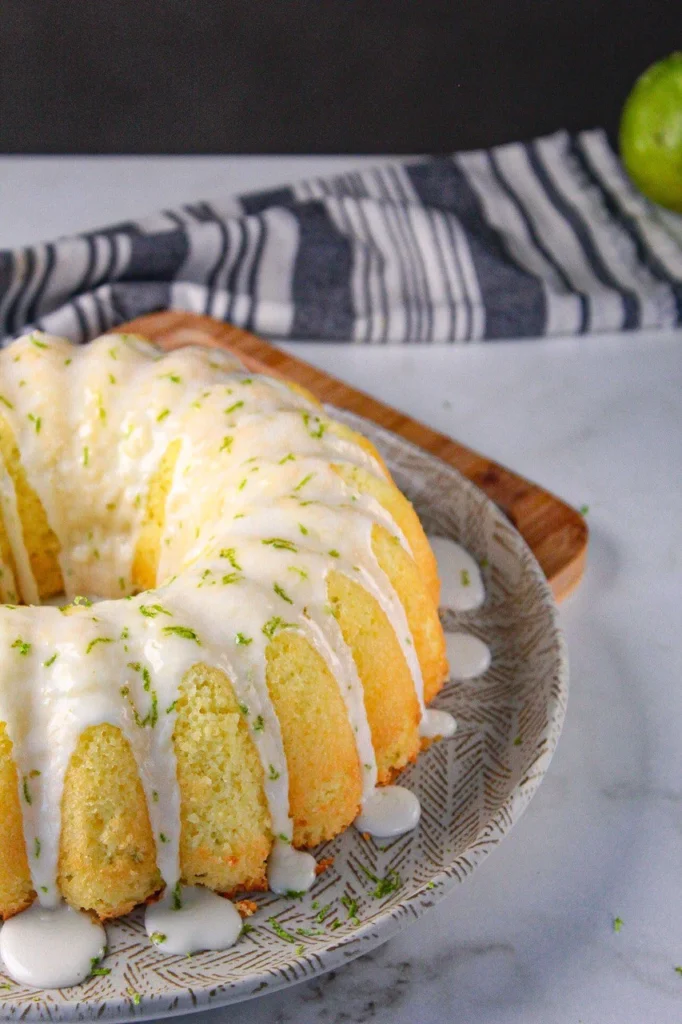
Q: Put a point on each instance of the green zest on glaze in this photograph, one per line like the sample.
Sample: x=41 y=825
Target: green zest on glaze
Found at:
x=617 y=924
x=464 y=578
x=51 y=661
x=275 y=623
x=157 y=938
x=281 y=592
x=98 y=640
x=162 y=415
x=183 y=631
x=314 y=425
x=36 y=421
x=6 y=401
x=273 y=774
x=21 y=646
x=259 y=724
x=303 y=482
x=231 y=555
x=226 y=445
x=280 y=544
x=242 y=640
x=231 y=577
x=177 y=896
x=152 y=610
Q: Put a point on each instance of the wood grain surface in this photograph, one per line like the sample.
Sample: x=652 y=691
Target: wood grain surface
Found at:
x=555 y=532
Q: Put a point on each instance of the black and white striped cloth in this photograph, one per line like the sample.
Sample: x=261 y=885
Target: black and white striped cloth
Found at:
x=526 y=240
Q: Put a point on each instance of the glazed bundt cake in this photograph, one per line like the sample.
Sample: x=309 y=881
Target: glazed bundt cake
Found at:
x=220 y=625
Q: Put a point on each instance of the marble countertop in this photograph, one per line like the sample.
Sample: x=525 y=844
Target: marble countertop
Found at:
x=529 y=938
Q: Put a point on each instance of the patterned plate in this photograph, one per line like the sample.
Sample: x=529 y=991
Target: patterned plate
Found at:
x=472 y=789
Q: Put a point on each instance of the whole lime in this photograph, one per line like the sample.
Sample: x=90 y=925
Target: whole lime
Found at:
x=651 y=132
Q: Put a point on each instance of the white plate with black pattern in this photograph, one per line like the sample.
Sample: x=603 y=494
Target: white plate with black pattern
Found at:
x=472 y=789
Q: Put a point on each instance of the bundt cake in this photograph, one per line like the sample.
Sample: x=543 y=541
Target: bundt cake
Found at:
x=220 y=625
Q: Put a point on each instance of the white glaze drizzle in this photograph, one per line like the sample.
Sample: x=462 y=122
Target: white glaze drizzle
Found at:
x=290 y=870
x=390 y=811
x=286 y=519
x=461 y=582
x=437 y=725
x=51 y=948
x=467 y=655
x=191 y=919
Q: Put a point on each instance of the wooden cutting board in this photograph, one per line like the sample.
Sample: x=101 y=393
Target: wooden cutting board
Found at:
x=555 y=532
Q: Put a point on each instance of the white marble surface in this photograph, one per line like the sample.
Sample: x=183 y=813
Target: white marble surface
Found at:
x=529 y=937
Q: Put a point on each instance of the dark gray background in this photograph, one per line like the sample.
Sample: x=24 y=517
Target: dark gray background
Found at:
x=299 y=76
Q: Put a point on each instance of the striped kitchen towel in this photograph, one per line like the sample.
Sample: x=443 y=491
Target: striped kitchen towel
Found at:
x=526 y=240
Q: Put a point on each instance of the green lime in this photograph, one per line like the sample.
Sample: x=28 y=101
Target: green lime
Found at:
x=651 y=132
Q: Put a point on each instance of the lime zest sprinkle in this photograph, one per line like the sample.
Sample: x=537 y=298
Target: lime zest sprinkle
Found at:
x=281 y=592
x=152 y=610
x=98 y=640
x=157 y=938
x=321 y=426
x=51 y=660
x=323 y=913
x=242 y=640
x=177 y=896
x=275 y=623
x=38 y=344
x=465 y=578
x=280 y=544
x=287 y=458
x=182 y=631
x=273 y=774
x=584 y=509
x=86 y=455
x=36 y=421
x=384 y=886
x=280 y=931
x=22 y=646
x=304 y=529
x=351 y=906
x=36 y=848
x=259 y=724
x=231 y=555
x=234 y=407
x=227 y=442
x=6 y=401
x=162 y=415
x=303 y=482
x=231 y=577
x=617 y=924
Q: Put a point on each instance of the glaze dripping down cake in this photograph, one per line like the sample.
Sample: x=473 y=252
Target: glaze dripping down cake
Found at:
x=220 y=625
